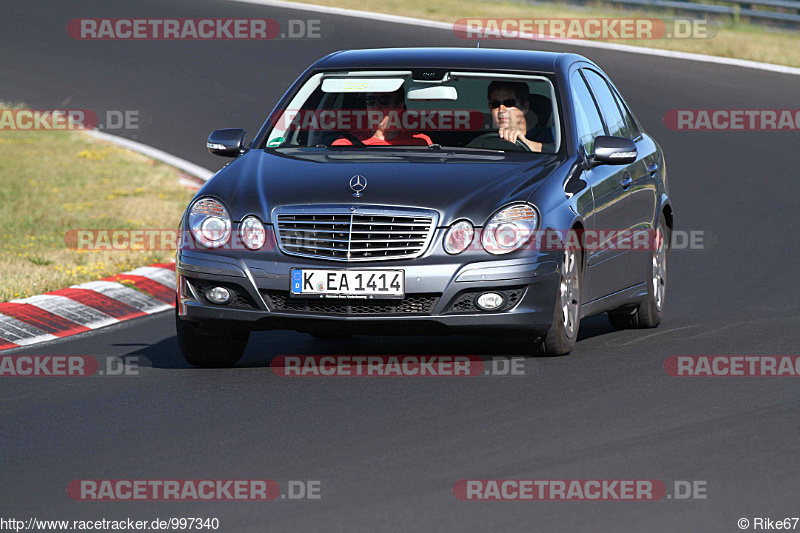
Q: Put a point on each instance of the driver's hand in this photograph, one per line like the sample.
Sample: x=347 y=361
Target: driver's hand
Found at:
x=512 y=134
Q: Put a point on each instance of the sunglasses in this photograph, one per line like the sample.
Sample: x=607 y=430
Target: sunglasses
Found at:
x=511 y=102
x=384 y=99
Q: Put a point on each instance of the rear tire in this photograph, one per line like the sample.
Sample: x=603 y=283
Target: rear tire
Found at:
x=218 y=350
x=648 y=313
x=567 y=314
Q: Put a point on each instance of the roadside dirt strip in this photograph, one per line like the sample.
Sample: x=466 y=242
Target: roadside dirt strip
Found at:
x=79 y=308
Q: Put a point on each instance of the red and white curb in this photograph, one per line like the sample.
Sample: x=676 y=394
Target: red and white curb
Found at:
x=96 y=304
x=79 y=308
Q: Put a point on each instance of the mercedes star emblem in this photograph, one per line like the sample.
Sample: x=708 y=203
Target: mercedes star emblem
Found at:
x=358 y=184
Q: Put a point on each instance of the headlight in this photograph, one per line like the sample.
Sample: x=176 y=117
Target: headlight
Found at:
x=210 y=223
x=252 y=233
x=458 y=237
x=509 y=229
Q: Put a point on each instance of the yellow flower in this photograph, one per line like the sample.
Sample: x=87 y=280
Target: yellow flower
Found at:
x=91 y=155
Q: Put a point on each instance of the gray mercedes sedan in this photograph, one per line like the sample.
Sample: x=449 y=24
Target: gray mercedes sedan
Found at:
x=429 y=190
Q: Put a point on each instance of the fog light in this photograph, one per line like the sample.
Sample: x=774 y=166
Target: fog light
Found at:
x=218 y=295
x=489 y=301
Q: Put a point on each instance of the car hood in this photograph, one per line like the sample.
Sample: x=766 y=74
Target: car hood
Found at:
x=457 y=185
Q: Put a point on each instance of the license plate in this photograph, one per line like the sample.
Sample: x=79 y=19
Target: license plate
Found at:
x=348 y=283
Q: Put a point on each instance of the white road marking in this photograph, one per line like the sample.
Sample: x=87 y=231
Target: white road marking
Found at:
x=181 y=164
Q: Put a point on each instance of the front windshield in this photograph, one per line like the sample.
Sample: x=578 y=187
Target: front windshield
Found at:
x=482 y=111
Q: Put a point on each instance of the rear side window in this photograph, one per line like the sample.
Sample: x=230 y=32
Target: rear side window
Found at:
x=608 y=104
x=590 y=125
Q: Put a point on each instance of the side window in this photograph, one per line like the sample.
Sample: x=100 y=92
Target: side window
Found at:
x=590 y=125
x=633 y=128
x=608 y=104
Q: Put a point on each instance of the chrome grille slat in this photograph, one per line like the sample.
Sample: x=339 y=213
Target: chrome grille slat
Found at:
x=301 y=234
x=356 y=241
x=312 y=239
x=364 y=233
x=392 y=232
x=303 y=247
x=384 y=246
x=404 y=251
x=389 y=224
x=318 y=230
x=320 y=222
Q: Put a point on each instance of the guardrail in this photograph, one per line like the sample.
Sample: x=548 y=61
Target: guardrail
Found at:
x=784 y=13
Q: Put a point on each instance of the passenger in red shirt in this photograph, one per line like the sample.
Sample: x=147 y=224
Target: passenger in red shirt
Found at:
x=382 y=136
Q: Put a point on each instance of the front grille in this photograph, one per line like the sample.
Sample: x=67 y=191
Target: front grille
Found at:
x=335 y=233
x=416 y=304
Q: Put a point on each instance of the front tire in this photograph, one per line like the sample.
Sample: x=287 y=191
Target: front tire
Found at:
x=567 y=314
x=218 y=350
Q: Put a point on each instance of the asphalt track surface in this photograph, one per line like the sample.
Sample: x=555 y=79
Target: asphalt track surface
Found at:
x=388 y=451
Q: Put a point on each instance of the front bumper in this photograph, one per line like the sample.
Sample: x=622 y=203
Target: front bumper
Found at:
x=439 y=291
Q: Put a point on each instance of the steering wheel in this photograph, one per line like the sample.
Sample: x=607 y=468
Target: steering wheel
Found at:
x=353 y=139
x=493 y=141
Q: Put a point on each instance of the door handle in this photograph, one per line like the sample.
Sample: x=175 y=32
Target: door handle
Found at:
x=626 y=182
x=653 y=170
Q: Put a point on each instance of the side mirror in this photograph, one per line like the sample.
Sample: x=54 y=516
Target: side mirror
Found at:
x=613 y=151
x=227 y=143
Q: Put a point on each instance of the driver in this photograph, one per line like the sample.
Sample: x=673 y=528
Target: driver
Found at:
x=383 y=135
x=508 y=103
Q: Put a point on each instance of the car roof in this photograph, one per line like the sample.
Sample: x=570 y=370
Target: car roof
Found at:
x=449 y=58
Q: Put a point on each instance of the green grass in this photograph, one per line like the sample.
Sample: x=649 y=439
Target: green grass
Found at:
x=735 y=39
x=52 y=182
